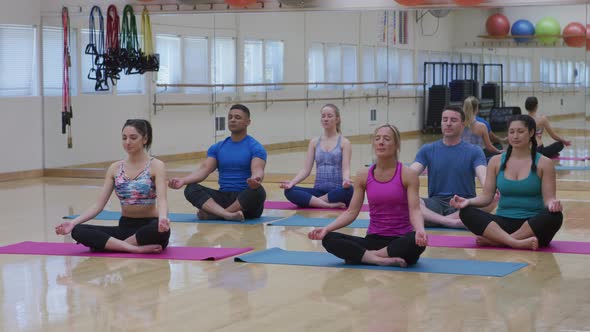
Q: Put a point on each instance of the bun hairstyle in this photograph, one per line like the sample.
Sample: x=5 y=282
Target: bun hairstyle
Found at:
x=530 y=124
x=531 y=104
x=143 y=127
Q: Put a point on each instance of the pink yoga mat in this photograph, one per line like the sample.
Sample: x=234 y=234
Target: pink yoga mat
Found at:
x=71 y=249
x=449 y=241
x=278 y=205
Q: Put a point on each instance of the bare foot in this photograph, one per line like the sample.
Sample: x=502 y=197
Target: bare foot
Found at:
x=338 y=205
x=370 y=257
x=202 y=215
x=531 y=243
x=392 y=261
x=455 y=223
x=485 y=242
x=236 y=216
x=149 y=249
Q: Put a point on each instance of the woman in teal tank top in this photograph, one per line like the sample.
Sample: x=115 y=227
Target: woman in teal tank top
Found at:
x=528 y=214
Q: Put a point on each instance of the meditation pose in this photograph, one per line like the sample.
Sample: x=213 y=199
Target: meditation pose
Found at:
x=240 y=160
x=396 y=233
x=452 y=167
x=528 y=214
x=331 y=154
x=542 y=122
x=137 y=180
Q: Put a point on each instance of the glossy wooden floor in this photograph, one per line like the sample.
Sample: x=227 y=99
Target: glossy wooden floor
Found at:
x=50 y=293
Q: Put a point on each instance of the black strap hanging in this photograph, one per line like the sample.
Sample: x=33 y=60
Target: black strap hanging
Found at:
x=66 y=114
x=95 y=48
x=112 y=63
x=129 y=42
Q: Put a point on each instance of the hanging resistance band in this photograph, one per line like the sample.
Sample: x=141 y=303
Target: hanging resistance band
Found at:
x=66 y=114
x=112 y=63
x=95 y=48
x=149 y=60
x=129 y=42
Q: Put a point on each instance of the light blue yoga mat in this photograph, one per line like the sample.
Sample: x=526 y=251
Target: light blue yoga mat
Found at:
x=571 y=168
x=184 y=217
x=301 y=221
x=428 y=265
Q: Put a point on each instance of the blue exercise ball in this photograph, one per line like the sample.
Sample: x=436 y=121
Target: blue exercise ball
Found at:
x=522 y=28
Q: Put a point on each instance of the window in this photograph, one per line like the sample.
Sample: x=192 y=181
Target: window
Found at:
x=401 y=68
x=17 y=60
x=223 y=69
x=188 y=60
x=374 y=65
x=196 y=63
x=53 y=61
x=168 y=47
x=131 y=84
x=493 y=73
x=253 y=64
x=315 y=60
x=274 y=54
x=332 y=63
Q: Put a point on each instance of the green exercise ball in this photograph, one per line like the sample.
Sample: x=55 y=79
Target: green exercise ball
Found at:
x=547 y=26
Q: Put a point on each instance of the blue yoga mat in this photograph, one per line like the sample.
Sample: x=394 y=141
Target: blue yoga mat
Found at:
x=571 y=168
x=301 y=221
x=429 y=265
x=183 y=217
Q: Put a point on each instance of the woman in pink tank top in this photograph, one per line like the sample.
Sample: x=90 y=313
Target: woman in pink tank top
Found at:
x=396 y=233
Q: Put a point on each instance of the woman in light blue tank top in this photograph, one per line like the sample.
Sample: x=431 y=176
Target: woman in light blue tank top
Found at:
x=476 y=132
x=331 y=153
x=528 y=214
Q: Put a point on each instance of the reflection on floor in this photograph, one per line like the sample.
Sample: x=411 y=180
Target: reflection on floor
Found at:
x=98 y=294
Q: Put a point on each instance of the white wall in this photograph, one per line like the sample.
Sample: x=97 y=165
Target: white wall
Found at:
x=20 y=118
x=98 y=118
x=22 y=138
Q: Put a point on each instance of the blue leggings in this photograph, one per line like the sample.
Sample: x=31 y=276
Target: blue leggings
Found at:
x=301 y=196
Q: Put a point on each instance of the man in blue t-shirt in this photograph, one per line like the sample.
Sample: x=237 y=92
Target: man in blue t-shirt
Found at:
x=452 y=167
x=240 y=160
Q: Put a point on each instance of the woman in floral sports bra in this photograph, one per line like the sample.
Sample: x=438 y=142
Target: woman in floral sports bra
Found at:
x=137 y=181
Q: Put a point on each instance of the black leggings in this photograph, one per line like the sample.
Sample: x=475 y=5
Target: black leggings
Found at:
x=352 y=248
x=145 y=230
x=251 y=200
x=544 y=225
x=551 y=150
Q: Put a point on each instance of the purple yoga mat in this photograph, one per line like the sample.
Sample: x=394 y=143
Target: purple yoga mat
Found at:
x=449 y=241
x=71 y=249
x=278 y=205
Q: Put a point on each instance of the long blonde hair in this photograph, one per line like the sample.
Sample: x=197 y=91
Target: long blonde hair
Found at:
x=470 y=108
x=337 y=112
x=396 y=137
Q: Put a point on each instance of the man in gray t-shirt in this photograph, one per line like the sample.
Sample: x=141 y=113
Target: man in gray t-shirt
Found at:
x=452 y=167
